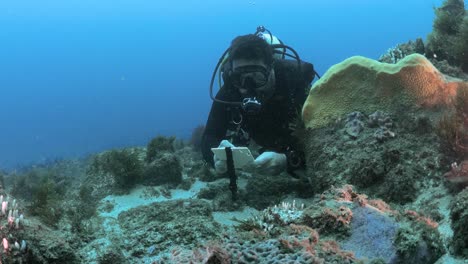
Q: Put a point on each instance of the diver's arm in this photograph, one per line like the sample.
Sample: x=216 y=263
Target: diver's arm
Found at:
x=295 y=152
x=216 y=127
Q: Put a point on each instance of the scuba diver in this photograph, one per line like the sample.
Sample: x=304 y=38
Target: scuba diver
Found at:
x=261 y=96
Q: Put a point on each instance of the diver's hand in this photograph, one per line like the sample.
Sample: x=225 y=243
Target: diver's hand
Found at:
x=220 y=165
x=270 y=162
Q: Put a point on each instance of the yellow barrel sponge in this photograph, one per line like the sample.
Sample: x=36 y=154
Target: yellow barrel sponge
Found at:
x=365 y=85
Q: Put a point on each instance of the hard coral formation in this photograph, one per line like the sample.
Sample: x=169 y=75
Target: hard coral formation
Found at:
x=124 y=168
x=365 y=85
x=154 y=228
x=354 y=124
x=394 y=168
x=333 y=219
x=123 y=165
x=418 y=245
x=263 y=191
x=397 y=53
x=302 y=247
x=159 y=145
x=165 y=168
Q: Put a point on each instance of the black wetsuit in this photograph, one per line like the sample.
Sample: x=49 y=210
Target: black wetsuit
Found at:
x=270 y=128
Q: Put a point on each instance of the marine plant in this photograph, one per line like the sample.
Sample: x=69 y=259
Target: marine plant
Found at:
x=446 y=40
x=124 y=165
x=165 y=168
x=80 y=209
x=461 y=46
x=416 y=242
x=157 y=145
x=449 y=16
x=452 y=128
x=45 y=202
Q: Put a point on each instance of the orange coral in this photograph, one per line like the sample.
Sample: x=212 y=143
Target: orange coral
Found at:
x=419 y=218
x=347 y=194
x=332 y=246
x=413 y=81
x=381 y=206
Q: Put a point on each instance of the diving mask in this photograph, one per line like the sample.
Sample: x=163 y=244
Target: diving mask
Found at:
x=250 y=77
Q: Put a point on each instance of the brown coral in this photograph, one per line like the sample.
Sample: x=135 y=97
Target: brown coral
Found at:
x=365 y=85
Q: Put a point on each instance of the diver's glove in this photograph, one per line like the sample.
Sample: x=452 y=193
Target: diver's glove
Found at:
x=220 y=165
x=270 y=162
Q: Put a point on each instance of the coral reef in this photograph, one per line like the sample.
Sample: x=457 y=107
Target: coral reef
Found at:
x=297 y=245
x=394 y=168
x=124 y=168
x=12 y=226
x=267 y=190
x=165 y=168
x=124 y=165
x=418 y=247
x=361 y=84
x=46 y=203
x=333 y=219
x=159 y=145
x=371 y=124
x=184 y=222
x=340 y=225
x=354 y=124
x=221 y=199
x=397 y=53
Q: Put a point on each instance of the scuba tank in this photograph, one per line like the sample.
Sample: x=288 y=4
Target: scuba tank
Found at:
x=265 y=34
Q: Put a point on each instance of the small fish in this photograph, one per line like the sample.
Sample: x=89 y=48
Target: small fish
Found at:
x=458 y=173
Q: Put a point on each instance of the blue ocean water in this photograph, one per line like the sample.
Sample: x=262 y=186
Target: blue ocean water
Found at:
x=82 y=76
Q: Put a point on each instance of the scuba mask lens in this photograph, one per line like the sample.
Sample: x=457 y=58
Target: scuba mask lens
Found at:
x=253 y=80
x=250 y=77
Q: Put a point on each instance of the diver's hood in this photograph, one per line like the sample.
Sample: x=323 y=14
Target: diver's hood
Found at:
x=222 y=68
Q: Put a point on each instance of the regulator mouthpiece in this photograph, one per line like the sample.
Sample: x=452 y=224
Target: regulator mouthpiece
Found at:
x=251 y=106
